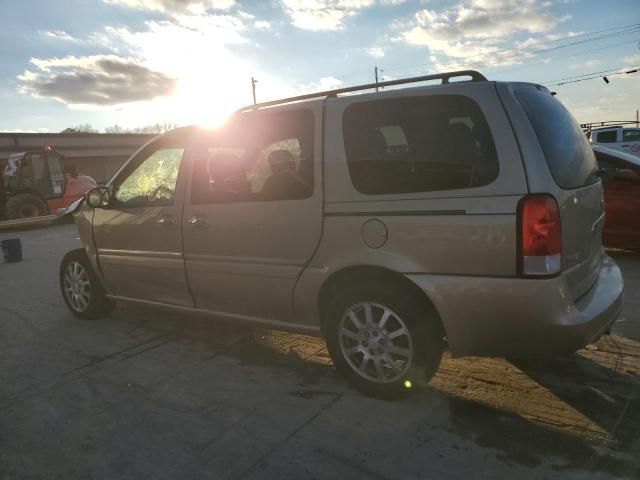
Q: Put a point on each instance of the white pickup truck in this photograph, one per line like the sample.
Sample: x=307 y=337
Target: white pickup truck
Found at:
x=619 y=138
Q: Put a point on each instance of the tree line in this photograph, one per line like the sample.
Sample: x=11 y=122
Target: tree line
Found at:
x=155 y=128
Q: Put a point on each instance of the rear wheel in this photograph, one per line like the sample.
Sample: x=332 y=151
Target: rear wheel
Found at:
x=25 y=205
x=81 y=289
x=383 y=340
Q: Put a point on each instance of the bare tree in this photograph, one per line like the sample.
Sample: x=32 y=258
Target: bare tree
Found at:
x=79 y=129
x=115 y=128
x=155 y=128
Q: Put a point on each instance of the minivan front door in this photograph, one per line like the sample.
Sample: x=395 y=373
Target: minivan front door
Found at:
x=253 y=213
x=138 y=237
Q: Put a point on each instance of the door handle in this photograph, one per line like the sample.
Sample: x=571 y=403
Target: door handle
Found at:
x=166 y=222
x=198 y=222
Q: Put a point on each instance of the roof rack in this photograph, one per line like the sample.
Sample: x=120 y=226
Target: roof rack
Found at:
x=475 y=77
x=607 y=124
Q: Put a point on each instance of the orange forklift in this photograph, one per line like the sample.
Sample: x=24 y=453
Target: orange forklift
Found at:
x=35 y=183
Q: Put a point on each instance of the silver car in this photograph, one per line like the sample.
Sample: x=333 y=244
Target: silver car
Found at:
x=465 y=215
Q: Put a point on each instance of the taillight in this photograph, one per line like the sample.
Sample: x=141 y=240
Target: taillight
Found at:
x=540 y=236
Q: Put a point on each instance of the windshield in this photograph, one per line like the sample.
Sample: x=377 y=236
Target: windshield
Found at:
x=565 y=146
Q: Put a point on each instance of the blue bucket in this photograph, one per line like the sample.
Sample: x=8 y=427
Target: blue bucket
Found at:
x=11 y=250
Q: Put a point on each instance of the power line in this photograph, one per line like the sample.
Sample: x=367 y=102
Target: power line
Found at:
x=595 y=75
x=601 y=72
x=521 y=53
x=563 y=58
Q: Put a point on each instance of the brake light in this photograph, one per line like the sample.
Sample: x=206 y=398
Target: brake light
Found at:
x=540 y=236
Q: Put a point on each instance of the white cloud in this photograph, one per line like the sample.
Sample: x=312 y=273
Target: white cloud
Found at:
x=59 y=35
x=322 y=14
x=175 y=6
x=325 y=83
x=585 y=64
x=375 y=52
x=632 y=60
x=476 y=28
x=94 y=80
x=262 y=24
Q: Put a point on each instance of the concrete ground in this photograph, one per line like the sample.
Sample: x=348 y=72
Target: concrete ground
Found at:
x=144 y=394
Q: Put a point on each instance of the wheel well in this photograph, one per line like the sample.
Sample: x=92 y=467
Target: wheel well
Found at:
x=359 y=274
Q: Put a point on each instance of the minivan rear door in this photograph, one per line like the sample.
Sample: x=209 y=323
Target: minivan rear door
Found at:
x=561 y=162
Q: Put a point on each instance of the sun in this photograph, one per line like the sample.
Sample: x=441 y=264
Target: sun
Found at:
x=206 y=95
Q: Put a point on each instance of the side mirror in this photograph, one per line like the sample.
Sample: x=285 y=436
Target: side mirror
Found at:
x=98 y=197
x=626 y=175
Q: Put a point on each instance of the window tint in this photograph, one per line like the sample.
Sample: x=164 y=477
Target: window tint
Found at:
x=608 y=137
x=257 y=157
x=565 y=146
x=418 y=144
x=631 y=135
x=153 y=180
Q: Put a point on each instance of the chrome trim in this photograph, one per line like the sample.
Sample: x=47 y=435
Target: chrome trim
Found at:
x=252 y=260
x=245 y=319
x=598 y=221
x=140 y=253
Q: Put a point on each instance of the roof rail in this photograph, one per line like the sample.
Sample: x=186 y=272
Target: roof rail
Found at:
x=607 y=124
x=475 y=77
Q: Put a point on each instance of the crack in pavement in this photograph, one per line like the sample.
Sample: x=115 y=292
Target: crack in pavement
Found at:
x=72 y=375
x=271 y=451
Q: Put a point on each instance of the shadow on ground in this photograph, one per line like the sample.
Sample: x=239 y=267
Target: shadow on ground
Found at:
x=580 y=411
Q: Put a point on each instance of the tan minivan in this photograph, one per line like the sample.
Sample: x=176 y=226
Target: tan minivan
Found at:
x=466 y=214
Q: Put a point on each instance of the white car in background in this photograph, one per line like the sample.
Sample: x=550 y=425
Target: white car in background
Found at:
x=619 y=138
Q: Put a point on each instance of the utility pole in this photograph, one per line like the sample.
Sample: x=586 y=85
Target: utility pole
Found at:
x=253 y=89
x=637 y=118
x=376 y=73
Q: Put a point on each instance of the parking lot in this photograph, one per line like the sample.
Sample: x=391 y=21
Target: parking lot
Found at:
x=145 y=394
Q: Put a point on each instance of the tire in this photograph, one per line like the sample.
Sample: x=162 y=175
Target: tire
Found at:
x=81 y=289
x=385 y=358
x=25 y=205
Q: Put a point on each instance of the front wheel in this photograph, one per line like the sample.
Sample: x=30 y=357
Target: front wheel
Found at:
x=81 y=289
x=25 y=205
x=383 y=340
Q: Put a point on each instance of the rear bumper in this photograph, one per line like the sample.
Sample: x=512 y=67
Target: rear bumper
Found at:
x=517 y=317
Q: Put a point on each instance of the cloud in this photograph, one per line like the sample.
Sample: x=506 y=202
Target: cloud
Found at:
x=325 y=83
x=173 y=7
x=262 y=25
x=375 y=52
x=322 y=14
x=59 y=35
x=475 y=28
x=94 y=80
x=631 y=60
x=585 y=64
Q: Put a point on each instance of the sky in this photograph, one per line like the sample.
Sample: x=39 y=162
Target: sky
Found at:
x=139 y=62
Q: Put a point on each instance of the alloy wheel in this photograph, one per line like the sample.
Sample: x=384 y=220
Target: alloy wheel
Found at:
x=375 y=342
x=77 y=286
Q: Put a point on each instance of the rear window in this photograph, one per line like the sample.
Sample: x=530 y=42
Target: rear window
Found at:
x=565 y=146
x=631 y=135
x=608 y=137
x=418 y=144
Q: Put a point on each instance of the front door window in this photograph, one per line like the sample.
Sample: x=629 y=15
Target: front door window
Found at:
x=153 y=181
